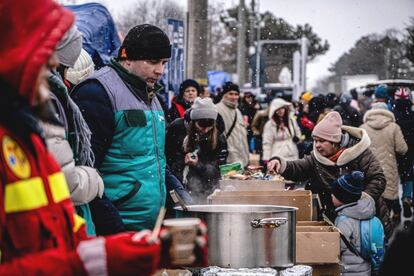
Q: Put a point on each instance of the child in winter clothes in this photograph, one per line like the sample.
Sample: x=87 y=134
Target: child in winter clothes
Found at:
x=352 y=205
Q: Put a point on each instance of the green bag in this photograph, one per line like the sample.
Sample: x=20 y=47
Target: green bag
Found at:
x=226 y=168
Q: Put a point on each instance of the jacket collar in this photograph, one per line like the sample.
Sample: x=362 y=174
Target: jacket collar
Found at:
x=136 y=83
x=350 y=153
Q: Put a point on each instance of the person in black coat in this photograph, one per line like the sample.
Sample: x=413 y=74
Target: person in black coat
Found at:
x=248 y=108
x=404 y=117
x=350 y=116
x=195 y=148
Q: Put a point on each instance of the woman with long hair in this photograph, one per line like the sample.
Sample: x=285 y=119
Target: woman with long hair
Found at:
x=204 y=149
x=281 y=133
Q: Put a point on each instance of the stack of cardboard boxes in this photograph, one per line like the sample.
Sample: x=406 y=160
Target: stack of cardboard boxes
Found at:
x=317 y=243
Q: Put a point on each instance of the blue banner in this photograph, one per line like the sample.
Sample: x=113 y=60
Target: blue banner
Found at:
x=216 y=79
x=174 y=71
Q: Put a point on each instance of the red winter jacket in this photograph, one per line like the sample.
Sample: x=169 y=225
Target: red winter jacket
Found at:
x=37 y=221
x=40 y=234
x=39 y=230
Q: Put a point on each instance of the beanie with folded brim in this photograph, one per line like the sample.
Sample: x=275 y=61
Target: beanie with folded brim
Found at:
x=229 y=86
x=83 y=67
x=381 y=92
x=189 y=83
x=69 y=48
x=145 y=42
x=329 y=128
x=203 y=109
x=348 y=188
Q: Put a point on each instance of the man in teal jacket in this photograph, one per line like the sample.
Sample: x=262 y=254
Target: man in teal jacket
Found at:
x=128 y=130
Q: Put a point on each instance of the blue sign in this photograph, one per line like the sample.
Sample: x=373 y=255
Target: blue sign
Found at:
x=216 y=79
x=174 y=71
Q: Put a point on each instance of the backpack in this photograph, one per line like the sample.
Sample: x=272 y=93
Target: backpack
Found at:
x=372 y=241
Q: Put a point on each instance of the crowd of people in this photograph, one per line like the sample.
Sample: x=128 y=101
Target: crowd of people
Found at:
x=88 y=156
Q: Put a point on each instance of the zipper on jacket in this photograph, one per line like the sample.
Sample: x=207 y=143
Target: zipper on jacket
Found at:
x=156 y=152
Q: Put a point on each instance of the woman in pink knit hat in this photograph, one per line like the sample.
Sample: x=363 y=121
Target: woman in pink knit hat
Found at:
x=337 y=150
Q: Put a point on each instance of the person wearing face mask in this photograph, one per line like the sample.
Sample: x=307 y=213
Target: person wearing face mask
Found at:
x=235 y=129
x=127 y=122
x=189 y=90
x=337 y=150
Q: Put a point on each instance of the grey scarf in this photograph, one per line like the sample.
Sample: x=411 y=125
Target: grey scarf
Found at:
x=80 y=136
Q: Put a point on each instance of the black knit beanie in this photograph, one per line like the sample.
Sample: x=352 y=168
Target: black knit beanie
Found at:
x=144 y=42
x=229 y=86
x=189 y=83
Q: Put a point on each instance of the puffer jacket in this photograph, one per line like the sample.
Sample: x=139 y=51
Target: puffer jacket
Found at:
x=322 y=172
x=279 y=142
x=387 y=140
x=84 y=182
x=349 y=225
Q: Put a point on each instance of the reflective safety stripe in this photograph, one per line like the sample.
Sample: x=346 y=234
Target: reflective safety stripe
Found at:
x=25 y=195
x=78 y=222
x=58 y=187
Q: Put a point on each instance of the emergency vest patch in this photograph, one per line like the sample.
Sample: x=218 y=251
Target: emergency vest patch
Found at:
x=15 y=158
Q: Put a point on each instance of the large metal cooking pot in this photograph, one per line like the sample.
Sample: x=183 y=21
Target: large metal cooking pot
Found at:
x=248 y=235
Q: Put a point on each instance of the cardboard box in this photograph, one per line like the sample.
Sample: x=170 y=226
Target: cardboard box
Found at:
x=251 y=185
x=311 y=223
x=254 y=159
x=326 y=270
x=317 y=245
x=296 y=198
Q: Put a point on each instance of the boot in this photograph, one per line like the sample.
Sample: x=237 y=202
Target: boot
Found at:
x=407 y=207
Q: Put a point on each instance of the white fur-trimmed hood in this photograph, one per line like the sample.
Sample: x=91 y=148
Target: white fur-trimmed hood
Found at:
x=278 y=103
x=348 y=154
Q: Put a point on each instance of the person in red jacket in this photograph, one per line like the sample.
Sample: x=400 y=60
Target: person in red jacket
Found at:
x=40 y=234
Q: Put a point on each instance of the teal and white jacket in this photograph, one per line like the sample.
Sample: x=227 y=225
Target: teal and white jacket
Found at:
x=128 y=137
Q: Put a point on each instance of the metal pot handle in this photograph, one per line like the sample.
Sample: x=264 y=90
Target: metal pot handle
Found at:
x=268 y=222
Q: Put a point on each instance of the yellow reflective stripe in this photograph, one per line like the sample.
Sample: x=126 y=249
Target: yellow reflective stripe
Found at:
x=78 y=222
x=58 y=187
x=25 y=195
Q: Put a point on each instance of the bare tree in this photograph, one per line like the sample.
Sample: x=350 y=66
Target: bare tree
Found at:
x=221 y=48
x=151 y=12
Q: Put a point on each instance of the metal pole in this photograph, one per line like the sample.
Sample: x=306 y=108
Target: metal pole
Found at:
x=296 y=76
x=241 y=44
x=258 y=46
x=197 y=40
x=258 y=50
x=304 y=57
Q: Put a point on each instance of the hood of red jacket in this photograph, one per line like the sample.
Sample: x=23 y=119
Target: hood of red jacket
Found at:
x=30 y=31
